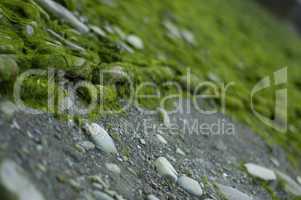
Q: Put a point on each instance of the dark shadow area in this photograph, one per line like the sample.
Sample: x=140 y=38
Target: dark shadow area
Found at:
x=285 y=9
x=282 y=8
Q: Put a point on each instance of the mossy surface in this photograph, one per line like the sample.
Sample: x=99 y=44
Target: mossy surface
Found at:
x=234 y=41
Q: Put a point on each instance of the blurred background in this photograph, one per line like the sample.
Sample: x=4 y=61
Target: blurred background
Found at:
x=287 y=9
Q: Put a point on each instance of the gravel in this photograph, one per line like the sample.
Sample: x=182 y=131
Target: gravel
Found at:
x=46 y=150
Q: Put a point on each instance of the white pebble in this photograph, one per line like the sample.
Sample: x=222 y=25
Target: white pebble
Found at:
x=113 y=168
x=180 y=152
x=188 y=36
x=135 y=41
x=165 y=169
x=190 y=185
x=101 y=138
x=260 y=172
x=161 y=139
x=98 y=31
x=29 y=30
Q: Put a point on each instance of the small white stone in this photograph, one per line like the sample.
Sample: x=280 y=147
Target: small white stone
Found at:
x=113 y=168
x=117 y=73
x=188 y=36
x=101 y=138
x=142 y=141
x=119 y=32
x=172 y=29
x=108 y=28
x=190 y=185
x=29 y=30
x=29 y=134
x=161 y=139
x=135 y=41
x=42 y=167
x=125 y=47
x=232 y=194
x=225 y=175
x=98 y=31
x=261 y=172
x=152 y=197
x=180 y=152
x=165 y=169
x=275 y=162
